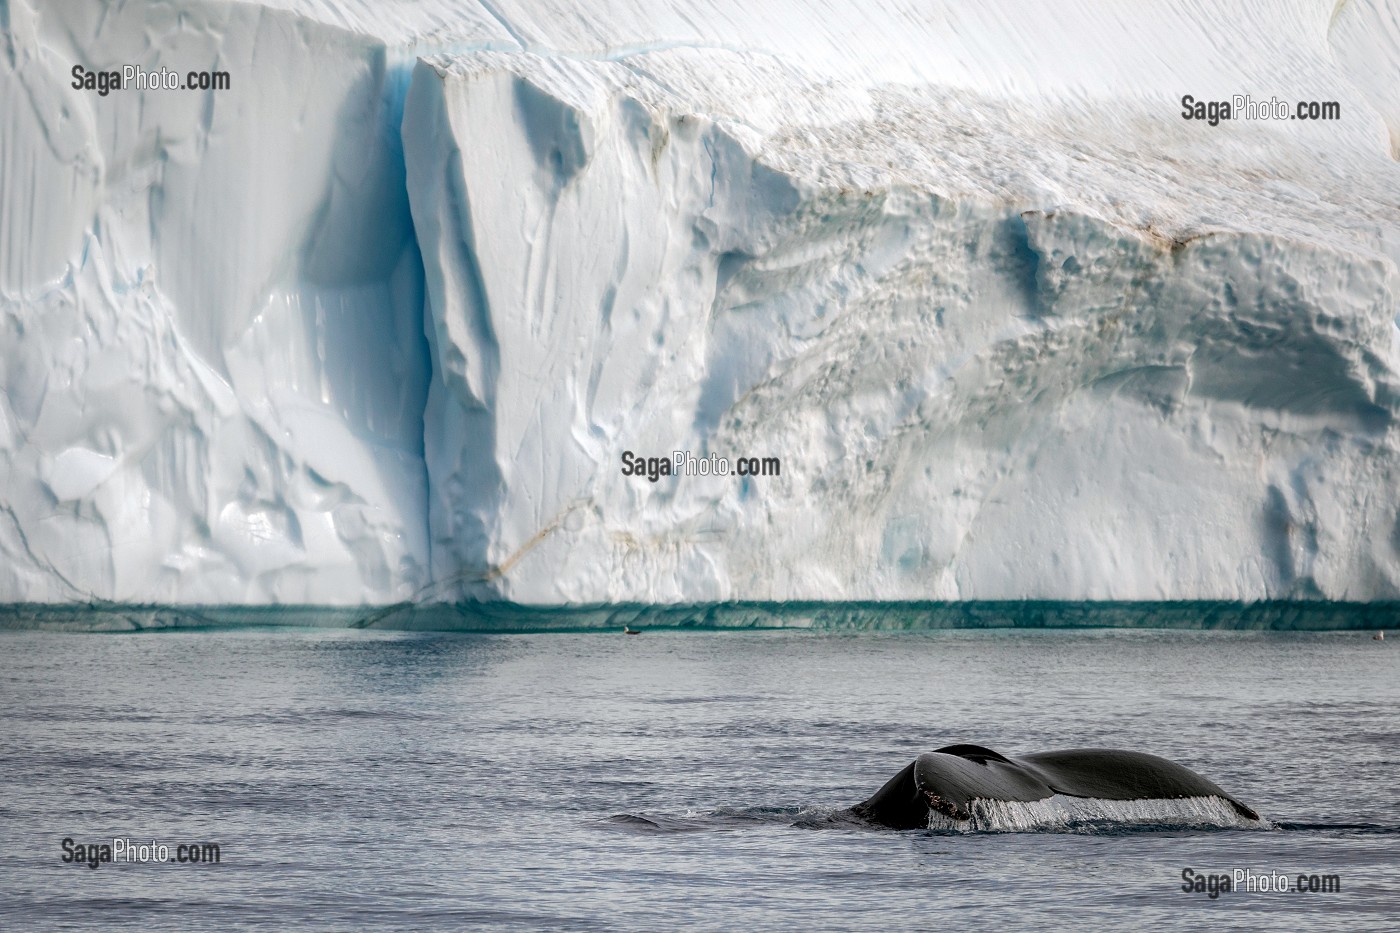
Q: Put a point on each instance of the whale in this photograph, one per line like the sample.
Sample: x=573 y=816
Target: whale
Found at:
x=948 y=782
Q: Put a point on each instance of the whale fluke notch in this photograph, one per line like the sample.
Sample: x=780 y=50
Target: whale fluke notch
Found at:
x=949 y=780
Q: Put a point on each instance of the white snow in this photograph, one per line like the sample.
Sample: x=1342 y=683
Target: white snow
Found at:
x=378 y=321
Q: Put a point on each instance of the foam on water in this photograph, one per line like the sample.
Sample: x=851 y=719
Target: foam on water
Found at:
x=1093 y=815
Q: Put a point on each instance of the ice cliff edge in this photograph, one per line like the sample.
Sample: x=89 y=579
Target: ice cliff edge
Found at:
x=380 y=320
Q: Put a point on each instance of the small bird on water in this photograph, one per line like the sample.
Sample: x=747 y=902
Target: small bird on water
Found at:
x=1379 y=636
x=628 y=630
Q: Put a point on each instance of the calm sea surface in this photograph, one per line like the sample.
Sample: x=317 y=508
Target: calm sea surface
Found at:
x=360 y=779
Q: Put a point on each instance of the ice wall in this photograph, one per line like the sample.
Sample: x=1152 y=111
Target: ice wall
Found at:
x=1008 y=352
x=211 y=333
x=1012 y=325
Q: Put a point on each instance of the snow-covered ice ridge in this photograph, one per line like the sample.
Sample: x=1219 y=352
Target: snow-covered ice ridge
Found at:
x=378 y=322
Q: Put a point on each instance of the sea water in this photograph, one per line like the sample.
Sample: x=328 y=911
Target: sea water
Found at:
x=358 y=779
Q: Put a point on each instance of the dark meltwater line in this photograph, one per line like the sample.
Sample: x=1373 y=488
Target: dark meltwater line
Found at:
x=503 y=618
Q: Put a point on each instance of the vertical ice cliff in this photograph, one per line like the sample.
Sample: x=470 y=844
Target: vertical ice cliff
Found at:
x=980 y=377
x=210 y=314
x=357 y=330
x=1013 y=326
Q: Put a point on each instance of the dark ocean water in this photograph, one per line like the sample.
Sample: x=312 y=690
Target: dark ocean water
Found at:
x=361 y=779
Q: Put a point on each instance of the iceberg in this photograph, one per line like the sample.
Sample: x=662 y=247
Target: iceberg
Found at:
x=387 y=318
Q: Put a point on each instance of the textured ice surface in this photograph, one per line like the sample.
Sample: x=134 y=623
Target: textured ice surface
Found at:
x=379 y=321
x=213 y=361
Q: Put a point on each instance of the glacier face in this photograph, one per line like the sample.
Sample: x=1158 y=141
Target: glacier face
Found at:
x=214 y=368
x=363 y=330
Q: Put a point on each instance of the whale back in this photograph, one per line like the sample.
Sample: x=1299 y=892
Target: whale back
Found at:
x=898 y=804
x=947 y=781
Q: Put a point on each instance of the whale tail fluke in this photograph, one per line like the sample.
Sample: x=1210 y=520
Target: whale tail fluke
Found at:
x=957 y=779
